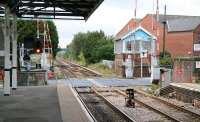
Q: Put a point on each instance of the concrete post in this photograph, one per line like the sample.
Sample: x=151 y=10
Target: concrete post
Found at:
x=155 y=70
x=14 y=53
x=7 y=63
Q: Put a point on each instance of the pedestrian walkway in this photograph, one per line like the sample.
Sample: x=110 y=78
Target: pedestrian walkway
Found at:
x=31 y=104
x=42 y=104
x=71 y=109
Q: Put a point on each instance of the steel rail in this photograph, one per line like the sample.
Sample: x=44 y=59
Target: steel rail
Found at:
x=89 y=70
x=121 y=113
x=155 y=109
x=87 y=109
x=66 y=71
x=86 y=69
x=168 y=103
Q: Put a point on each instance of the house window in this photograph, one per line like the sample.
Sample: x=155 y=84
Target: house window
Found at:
x=198 y=38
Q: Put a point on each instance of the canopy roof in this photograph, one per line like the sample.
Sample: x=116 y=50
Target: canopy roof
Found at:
x=52 y=9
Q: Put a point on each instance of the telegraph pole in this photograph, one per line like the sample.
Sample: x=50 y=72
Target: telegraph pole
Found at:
x=164 y=31
x=155 y=70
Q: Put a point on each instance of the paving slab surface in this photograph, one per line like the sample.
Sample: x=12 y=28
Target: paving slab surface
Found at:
x=71 y=109
x=31 y=104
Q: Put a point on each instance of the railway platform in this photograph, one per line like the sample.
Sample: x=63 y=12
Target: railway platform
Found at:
x=187 y=92
x=188 y=86
x=42 y=104
x=71 y=108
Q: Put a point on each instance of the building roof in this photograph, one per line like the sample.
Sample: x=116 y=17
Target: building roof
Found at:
x=52 y=9
x=179 y=23
x=175 y=23
x=127 y=28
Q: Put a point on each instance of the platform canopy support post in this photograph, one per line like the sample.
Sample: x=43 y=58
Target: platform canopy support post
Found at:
x=7 y=63
x=14 y=52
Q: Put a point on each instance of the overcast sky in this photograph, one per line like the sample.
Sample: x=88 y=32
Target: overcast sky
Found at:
x=112 y=15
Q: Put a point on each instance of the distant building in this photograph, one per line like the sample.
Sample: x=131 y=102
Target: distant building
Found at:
x=182 y=39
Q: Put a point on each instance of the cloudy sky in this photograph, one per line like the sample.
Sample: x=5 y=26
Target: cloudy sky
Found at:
x=112 y=15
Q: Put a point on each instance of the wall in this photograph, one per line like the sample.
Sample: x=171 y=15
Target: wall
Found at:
x=186 y=95
x=118 y=64
x=128 y=27
x=118 y=47
x=179 y=43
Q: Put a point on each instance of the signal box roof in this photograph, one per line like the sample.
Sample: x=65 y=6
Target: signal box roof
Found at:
x=52 y=9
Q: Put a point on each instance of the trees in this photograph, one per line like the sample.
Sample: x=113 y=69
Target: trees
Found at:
x=93 y=46
x=29 y=29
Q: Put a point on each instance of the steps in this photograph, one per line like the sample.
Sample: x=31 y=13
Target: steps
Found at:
x=166 y=90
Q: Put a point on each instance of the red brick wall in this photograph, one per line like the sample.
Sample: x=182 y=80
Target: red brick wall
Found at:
x=120 y=58
x=147 y=22
x=118 y=64
x=128 y=27
x=179 y=43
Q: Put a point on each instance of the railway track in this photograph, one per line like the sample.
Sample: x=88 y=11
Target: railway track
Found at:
x=75 y=71
x=100 y=108
x=109 y=105
x=171 y=111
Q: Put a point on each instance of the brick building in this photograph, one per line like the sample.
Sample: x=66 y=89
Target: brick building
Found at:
x=182 y=38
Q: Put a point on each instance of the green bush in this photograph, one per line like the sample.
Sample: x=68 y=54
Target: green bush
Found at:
x=166 y=60
x=198 y=81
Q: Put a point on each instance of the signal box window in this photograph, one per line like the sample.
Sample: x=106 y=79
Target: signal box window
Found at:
x=128 y=46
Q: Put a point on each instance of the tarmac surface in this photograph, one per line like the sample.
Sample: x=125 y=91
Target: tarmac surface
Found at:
x=31 y=104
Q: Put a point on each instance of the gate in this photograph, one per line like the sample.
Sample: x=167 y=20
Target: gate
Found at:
x=185 y=71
